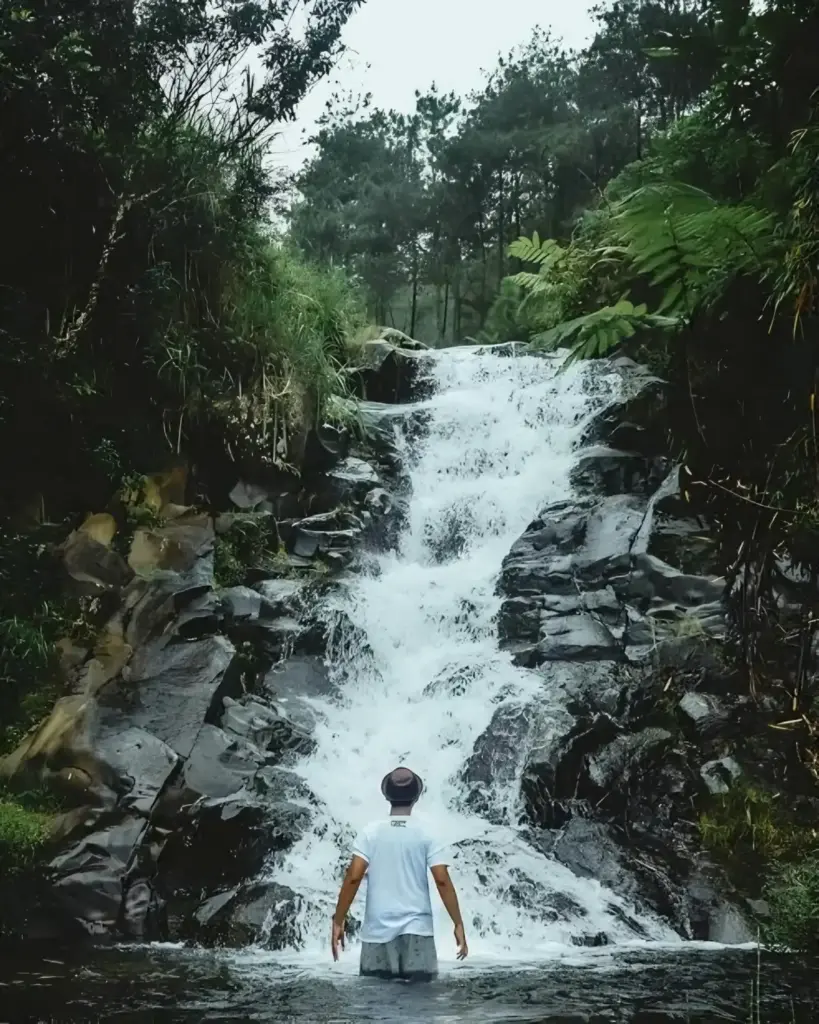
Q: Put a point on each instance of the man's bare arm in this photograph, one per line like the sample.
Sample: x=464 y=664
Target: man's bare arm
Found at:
x=349 y=888
x=449 y=898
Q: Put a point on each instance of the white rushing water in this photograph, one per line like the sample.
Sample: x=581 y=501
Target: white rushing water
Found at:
x=499 y=446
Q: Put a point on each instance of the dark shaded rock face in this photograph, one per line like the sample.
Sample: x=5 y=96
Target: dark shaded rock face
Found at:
x=612 y=599
x=257 y=913
x=389 y=371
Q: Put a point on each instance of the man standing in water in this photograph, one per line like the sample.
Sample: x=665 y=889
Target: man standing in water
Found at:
x=395 y=853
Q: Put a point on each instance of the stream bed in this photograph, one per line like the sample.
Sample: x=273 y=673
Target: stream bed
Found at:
x=637 y=985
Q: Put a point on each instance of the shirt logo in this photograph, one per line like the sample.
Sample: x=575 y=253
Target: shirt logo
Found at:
x=398 y=824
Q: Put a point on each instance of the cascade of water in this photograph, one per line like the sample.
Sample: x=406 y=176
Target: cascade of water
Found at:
x=425 y=676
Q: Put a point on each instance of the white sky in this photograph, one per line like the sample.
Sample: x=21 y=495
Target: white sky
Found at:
x=398 y=46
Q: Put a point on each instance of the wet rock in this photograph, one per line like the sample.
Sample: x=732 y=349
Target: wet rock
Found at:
x=644 y=405
x=555 y=773
x=250 y=720
x=92 y=564
x=170 y=690
x=182 y=546
x=143 y=914
x=703 y=713
x=331 y=536
x=199 y=617
x=494 y=762
x=719 y=776
x=262 y=913
x=299 y=677
x=589 y=850
x=505 y=349
x=352 y=480
x=143 y=763
x=402 y=340
x=602 y=470
x=453 y=681
x=628 y=756
x=283 y=715
x=712 y=917
x=241 y=603
x=64 y=736
x=248 y=496
x=151 y=606
x=88 y=878
x=387 y=373
x=218 y=766
x=324 y=446
x=281 y=596
x=285 y=729
x=223 y=837
x=564 y=637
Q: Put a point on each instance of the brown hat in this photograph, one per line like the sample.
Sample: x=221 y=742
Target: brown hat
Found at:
x=402 y=786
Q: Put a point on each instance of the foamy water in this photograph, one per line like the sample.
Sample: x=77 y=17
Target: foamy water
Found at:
x=500 y=444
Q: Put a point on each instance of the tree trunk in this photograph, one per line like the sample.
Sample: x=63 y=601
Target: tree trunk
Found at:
x=456 y=305
x=414 y=306
x=501 y=228
x=639 y=127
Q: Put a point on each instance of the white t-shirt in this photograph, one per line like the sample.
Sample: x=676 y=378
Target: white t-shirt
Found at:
x=399 y=853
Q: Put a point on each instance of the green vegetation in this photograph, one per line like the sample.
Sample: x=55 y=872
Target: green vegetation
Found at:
x=793 y=894
x=251 y=540
x=23 y=832
x=773 y=851
x=34 y=614
x=146 y=308
x=751 y=823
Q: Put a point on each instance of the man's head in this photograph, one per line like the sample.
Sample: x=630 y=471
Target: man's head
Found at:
x=402 y=788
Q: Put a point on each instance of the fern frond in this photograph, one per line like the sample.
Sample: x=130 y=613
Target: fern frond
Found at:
x=529 y=282
x=597 y=334
x=679 y=236
x=532 y=250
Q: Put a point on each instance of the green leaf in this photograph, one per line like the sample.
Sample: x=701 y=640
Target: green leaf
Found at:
x=671 y=296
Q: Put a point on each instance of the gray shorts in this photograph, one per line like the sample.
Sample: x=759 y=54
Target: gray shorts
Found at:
x=412 y=957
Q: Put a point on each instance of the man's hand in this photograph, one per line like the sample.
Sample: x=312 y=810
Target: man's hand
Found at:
x=460 y=940
x=349 y=887
x=337 y=939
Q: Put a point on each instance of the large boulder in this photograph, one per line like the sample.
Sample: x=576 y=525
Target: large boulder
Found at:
x=581 y=584
x=229 y=810
x=90 y=878
x=257 y=914
x=389 y=373
x=169 y=690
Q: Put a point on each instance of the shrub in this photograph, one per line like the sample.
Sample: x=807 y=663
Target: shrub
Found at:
x=23 y=833
x=793 y=896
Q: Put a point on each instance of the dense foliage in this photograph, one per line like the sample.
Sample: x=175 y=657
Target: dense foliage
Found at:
x=140 y=290
x=423 y=206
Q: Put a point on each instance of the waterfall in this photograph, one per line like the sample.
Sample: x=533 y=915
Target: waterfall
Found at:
x=422 y=676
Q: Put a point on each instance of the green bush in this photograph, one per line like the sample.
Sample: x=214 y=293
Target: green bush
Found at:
x=33 y=615
x=23 y=832
x=793 y=896
x=748 y=821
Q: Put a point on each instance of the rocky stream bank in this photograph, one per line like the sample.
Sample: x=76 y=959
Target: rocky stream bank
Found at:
x=173 y=745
